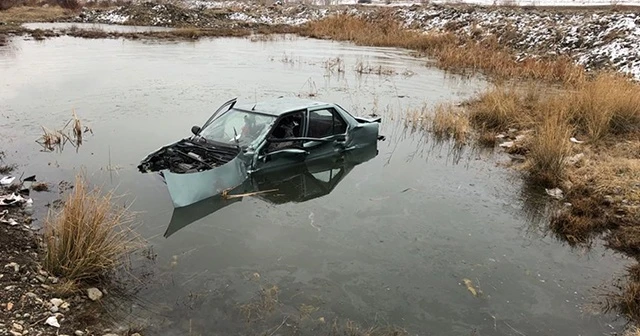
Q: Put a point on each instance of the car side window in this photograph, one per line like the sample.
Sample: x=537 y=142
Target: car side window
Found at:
x=290 y=126
x=325 y=122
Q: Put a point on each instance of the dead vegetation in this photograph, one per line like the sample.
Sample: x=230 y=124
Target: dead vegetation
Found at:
x=363 y=68
x=52 y=140
x=22 y=14
x=4 y=167
x=334 y=65
x=89 y=237
x=266 y=304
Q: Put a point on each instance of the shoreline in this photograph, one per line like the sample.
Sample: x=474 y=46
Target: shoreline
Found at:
x=516 y=47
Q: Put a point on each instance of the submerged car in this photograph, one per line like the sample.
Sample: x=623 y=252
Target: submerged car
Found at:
x=297 y=184
x=239 y=140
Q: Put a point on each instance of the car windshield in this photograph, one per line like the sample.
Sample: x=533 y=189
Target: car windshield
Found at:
x=245 y=127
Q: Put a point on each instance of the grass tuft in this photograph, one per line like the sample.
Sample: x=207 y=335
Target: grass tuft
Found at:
x=548 y=149
x=450 y=123
x=89 y=237
x=500 y=108
x=266 y=304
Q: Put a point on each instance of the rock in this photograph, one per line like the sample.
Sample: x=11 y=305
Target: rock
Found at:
x=9 y=305
x=506 y=144
x=41 y=278
x=136 y=334
x=54 y=309
x=56 y=302
x=555 y=193
x=576 y=141
x=17 y=327
x=54 y=280
x=31 y=295
x=110 y=335
x=15 y=333
x=15 y=266
x=52 y=321
x=94 y=294
x=78 y=333
x=65 y=305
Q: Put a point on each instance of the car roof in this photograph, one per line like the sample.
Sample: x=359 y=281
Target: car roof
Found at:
x=279 y=106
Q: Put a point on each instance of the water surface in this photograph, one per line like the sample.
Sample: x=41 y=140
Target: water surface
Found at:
x=392 y=242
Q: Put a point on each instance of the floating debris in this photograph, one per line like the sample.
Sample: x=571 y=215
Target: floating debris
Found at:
x=470 y=287
x=7 y=180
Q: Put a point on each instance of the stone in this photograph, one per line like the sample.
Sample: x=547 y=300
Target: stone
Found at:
x=78 y=333
x=54 y=309
x=56 y=302
x=136 y=334
x=555 y=193
x=15 y=333
x=15 y=266
x=110 y=335
x=17 y=327
x=41 y=278
x=94 y=294
x=65 y=305
x=52 y=321
x=31 y=295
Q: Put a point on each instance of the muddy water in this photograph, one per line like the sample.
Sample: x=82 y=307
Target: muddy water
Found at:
x=392 y=243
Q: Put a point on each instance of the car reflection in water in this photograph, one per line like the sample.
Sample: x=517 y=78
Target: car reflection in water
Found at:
x=298 y=183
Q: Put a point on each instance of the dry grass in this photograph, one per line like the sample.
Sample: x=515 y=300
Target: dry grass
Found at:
x=65 y=288
x=452 y=52
x=263 y=306
x=499 y=109
x=548 y=149
x=450 y=123
x=40 y=186
x=626 y=300
x=22 y=14
x=334 y=65
x=89 y=237
x=56 y=139
x=363 y=68
x=634 y=331
x=607 y=105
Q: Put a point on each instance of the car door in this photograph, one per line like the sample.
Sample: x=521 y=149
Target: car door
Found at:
x=325 y=133
x=283 y=146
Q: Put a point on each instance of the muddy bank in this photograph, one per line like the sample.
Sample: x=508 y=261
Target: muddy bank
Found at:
x=34 y=301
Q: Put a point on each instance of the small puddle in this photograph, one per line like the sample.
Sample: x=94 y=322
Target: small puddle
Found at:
x=94 y=26
x=405 y=237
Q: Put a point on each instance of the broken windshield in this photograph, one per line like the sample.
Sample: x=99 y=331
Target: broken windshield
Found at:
x=245 y=127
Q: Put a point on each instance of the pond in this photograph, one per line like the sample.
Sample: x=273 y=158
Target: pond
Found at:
x=404 y=238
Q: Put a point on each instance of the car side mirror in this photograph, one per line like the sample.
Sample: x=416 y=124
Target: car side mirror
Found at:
x=195 y=130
